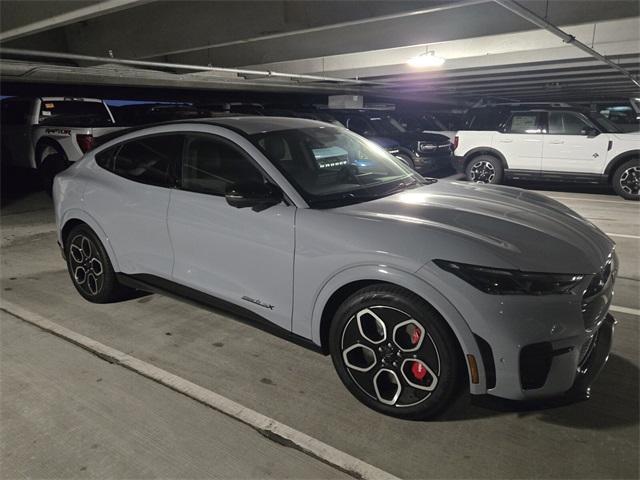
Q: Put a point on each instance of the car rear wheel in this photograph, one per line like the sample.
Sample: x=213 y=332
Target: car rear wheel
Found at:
x=484 y=169
x=395 y=353
x=626 y=180
x=90 y=268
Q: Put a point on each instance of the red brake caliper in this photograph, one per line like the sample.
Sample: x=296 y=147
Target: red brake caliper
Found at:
x=418 y=370
x=415 y=336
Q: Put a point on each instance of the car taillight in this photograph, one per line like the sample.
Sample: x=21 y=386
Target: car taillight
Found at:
x=454 y=145
x=85 y=142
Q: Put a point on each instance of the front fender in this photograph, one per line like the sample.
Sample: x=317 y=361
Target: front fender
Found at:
x=414 y=284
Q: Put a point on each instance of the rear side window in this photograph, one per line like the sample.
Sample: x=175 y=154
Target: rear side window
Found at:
x=74 y=113
x=486 y=119
x=149 y=160
x=524 y=122
x=210 y=164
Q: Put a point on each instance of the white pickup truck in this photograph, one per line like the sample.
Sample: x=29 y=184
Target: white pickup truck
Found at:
x=48 y=133
x=555 y=144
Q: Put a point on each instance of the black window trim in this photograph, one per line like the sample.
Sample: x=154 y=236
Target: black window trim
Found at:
x=118 y=146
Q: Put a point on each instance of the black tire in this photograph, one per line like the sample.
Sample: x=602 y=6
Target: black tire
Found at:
x=484 y=169
x=51 y=161
x=626 y=179
x=407 y=160
x=403 y=314
x=87 y=260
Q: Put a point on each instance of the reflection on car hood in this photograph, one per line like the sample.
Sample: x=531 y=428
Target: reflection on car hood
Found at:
x=525 y=229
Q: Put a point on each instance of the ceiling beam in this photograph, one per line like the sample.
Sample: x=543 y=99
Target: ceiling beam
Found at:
x=66 y=18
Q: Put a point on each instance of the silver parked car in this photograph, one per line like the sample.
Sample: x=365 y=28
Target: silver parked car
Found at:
x=413 y=285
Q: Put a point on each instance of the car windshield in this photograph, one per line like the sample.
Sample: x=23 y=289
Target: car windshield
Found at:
x=331 y=166
x=386 y=126
x=604 y=123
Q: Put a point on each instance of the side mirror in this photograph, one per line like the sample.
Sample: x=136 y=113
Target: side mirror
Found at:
x=590 y=132
x=253 y=194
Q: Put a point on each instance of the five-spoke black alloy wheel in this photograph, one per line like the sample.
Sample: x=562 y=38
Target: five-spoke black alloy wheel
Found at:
x=90 y=268
x=394 y=352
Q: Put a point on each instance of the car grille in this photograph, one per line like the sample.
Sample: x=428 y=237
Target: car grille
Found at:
x=597 y=296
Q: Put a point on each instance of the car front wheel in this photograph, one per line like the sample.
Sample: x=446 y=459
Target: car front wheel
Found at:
x=484 y=169
x=395 y=353
x=626 y=180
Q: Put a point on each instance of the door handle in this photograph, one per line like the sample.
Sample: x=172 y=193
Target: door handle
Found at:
x=556 y=142
x=505 y=141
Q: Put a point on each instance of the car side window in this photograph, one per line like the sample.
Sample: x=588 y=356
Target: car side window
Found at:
x=357 y=125
x=567 y=123
x=147 y=160
x=523 y=122
x=211 y=163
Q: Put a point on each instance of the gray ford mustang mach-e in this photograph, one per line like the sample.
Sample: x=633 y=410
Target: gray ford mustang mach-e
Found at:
x=412 y=285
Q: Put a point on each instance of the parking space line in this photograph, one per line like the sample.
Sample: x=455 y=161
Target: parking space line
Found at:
x=580 y=199
x=622 y=235
x=266 y=426
x=627 y=310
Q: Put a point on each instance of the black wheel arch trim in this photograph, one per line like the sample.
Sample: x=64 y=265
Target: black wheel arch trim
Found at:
x=474 y=152
x=619 y=160
x=48 y=141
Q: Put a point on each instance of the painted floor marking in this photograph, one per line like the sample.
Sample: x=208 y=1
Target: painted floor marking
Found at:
x=622 y=235
x=630 y=311
x=266 y=426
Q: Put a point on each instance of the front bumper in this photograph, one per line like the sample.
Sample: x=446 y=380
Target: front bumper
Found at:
x=457 y=162
x=431 y=162
x=533 y=347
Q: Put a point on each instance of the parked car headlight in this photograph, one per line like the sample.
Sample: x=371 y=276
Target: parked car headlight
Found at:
x=498 y=281
x=426 y=146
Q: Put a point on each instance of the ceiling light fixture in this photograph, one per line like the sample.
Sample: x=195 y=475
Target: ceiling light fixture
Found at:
x=426 y=59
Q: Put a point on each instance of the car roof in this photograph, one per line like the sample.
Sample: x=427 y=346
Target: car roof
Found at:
x=246 y=125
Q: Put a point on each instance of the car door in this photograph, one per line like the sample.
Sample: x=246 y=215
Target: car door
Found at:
x=129 y=197
x=521 y=140
x=573 y=144
x=239 y=255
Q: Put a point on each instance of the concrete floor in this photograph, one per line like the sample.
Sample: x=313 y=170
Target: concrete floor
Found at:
x=143 y=431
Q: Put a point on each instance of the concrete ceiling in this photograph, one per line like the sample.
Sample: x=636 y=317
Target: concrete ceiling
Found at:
x=490 y=51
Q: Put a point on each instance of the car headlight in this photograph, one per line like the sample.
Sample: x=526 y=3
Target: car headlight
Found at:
x=426 y=146
x=498 y=281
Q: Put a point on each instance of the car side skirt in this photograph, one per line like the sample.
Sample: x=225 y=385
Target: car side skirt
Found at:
x=552 y=176
x=154 y=284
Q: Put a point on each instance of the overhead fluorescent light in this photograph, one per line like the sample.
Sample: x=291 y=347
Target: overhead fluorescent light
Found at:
x=426 y=59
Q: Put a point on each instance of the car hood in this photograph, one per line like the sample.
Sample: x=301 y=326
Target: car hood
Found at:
x=520 y=229
x=628 y=136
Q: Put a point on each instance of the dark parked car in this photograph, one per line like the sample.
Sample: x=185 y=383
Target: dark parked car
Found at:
x=148 y=113
x=425 y=152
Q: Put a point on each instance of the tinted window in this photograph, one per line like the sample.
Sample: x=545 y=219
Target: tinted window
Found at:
x=523 y=122
x=74 y=113
x=357 y=125
x=149 y=160
x=565 y=123
x=105 y=157
x=15 y=112
x=211 y=164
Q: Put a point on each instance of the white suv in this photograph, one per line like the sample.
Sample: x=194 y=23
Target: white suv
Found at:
x=554 y=143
